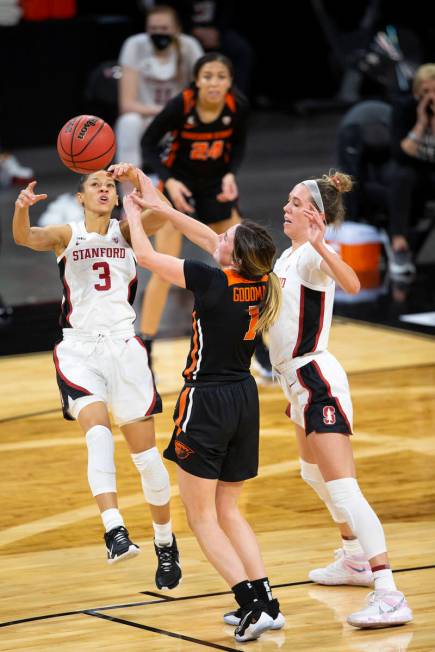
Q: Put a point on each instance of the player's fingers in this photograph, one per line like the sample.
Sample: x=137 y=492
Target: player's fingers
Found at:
x=185 y=190
x=183 y=206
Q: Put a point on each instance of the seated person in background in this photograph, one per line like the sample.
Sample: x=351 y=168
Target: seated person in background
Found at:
x=412 y=172
x=156 y=65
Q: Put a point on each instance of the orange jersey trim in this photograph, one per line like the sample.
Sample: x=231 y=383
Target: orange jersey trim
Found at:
x=233 y=278
x=188 y=100
x=207 y=135
x=194 y=353
x=181 y=408
x=231 y=102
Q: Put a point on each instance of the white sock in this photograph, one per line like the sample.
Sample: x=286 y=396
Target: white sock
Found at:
x=112 y=518
x=352 y=547
x=163 y=533
x=384 y=579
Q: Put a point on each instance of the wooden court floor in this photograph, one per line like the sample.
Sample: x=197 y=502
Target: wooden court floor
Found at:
x=58 y=593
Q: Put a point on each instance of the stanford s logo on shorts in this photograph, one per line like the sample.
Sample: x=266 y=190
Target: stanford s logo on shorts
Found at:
x=182 y=451
x=329 y=415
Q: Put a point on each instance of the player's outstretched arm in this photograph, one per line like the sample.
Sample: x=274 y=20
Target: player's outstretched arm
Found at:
x=38 y=238
x=198 y=233
x=169 y=268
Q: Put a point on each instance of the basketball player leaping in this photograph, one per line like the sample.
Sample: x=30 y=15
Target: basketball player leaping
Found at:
x=99 y=361
x=319 y=400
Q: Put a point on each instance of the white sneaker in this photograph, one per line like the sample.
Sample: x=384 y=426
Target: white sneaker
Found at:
x=253 y=623
x=234 y=617
x=346 y=569
x=14 y=170
x=384 y=609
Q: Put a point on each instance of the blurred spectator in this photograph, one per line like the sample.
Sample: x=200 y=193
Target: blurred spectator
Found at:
x=11 y=171
x=156 y=65
x=412 y=175
x=10 y=12
x=212 y=23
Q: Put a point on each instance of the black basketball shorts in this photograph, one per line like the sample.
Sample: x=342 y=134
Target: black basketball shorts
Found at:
x=216 y=434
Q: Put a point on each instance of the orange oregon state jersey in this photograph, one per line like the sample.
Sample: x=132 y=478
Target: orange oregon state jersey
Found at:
x=224 y=315
x=197 y=150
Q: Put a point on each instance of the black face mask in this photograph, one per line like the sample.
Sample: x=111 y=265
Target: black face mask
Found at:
x=161 y=41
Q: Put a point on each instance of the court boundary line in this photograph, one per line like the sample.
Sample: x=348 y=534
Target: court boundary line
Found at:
x=156 y=630
x=171 y=599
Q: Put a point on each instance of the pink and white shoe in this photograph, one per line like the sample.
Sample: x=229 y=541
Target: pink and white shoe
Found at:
x=346 y=569
x=384 y=609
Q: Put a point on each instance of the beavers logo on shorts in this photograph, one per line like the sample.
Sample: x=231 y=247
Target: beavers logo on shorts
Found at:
x=182 y=451
x=329 y=415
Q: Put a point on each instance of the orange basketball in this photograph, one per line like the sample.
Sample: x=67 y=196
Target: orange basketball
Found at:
x=86 y=144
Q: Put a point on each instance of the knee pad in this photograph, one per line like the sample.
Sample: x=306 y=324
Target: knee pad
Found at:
x=154 y=476
x=310 y=473
x=347 y=498
x=101 y=462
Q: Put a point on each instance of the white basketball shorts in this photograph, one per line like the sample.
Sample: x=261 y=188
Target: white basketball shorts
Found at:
x=319 y=396
x=109 y=368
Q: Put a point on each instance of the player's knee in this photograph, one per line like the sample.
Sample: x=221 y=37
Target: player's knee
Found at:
x=154 y=476
x=227 y=513
x=101 y=462
x=345 y=496
x=311 y=474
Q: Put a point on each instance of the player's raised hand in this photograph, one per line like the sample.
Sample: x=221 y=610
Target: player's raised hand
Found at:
x=317 y=225
x=27 y=196
x=123 y=172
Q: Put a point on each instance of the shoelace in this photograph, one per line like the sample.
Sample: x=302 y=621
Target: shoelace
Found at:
x=120 y=537
x=165 y=558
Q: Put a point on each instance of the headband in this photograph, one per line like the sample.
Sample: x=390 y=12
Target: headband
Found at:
x=315 y=193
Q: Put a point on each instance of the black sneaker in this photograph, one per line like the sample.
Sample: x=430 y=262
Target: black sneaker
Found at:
x=168 y=573
x=261 y=361
x=254 y=621
x=272 y=608
x=119 y=546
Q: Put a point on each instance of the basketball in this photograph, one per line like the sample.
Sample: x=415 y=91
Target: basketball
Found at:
x=86 y=143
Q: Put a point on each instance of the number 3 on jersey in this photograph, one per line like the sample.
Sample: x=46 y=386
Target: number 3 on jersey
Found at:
x=253 y=313
x=104 y=276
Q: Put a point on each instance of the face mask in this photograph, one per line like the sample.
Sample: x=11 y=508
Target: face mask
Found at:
x=161 y=41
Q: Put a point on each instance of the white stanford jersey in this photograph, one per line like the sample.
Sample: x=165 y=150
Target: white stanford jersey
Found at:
x=98 y=273
x=304 y=322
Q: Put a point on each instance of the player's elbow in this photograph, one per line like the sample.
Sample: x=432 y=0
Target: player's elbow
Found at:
x=143 y=260
x=20 y=239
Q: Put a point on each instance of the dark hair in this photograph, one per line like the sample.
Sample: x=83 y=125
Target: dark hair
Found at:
x=254 y=253
x=85 y=177
x=209 y=58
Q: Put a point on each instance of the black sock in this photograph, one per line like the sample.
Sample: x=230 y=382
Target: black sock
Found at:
x=263 y=590
x=244 y=593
